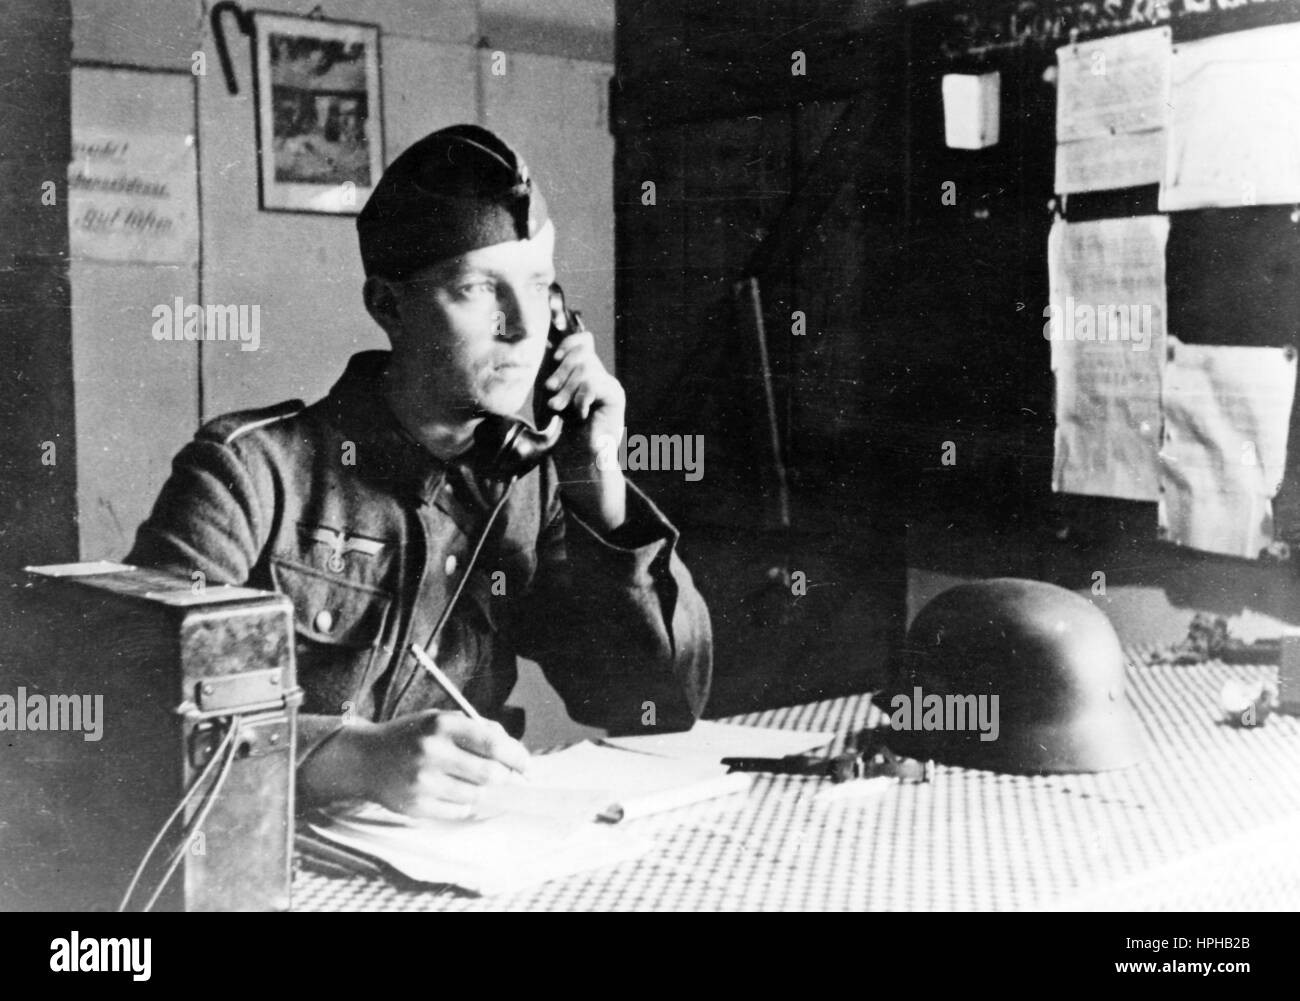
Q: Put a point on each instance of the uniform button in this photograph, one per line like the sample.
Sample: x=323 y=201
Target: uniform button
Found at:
x=451 y=565
x=323 y=622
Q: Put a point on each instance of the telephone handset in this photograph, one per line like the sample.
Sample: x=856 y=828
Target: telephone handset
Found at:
x=564 y=321
x=509 y=445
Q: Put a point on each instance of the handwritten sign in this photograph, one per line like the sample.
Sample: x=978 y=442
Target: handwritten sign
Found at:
x=132 y=197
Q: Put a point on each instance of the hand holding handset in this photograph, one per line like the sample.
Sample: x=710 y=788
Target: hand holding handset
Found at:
x=510 y=446
x=564 y=321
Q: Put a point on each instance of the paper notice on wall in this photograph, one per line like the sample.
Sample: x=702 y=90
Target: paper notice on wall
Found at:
x=1105 y=163
x=1112 y=101
x=132 y=197
x=1227 y=411
x=1106 y=324
x=1113 y=85
x=1234 y=129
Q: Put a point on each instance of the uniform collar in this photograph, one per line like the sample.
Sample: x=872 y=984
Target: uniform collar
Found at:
x=385 y=451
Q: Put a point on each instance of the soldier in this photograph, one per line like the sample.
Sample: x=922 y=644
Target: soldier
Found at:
x=365 y=508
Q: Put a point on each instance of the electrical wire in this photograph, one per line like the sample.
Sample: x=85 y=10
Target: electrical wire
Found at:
x=189 y=794
x=430 y=644
x=208 y=804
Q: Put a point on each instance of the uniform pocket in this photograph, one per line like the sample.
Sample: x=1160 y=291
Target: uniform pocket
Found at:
x=340 y=625
x=329 y=609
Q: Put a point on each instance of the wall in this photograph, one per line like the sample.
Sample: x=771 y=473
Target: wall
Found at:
x=141 y=400
x=967 y=325
x=138 y=400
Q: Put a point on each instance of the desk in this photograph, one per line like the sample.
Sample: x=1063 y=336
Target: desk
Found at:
x=1210 y=821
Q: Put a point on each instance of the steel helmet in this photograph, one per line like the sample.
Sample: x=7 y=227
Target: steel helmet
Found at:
x=1044 y=668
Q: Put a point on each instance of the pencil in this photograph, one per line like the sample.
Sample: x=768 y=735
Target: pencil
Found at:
x=449 y=686
x=444 y=682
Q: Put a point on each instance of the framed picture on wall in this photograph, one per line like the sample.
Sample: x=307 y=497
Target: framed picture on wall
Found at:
x=320 y=140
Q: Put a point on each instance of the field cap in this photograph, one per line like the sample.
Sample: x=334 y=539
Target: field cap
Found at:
x=456 y=190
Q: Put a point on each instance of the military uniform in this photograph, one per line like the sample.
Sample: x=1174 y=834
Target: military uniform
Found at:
x=368 y=533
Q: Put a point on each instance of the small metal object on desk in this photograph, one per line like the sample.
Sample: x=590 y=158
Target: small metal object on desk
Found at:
x=1209 y=637
x=875 y=762
x=886 y=762
x=877 y=759
x=839 y=768
x=1248 y=703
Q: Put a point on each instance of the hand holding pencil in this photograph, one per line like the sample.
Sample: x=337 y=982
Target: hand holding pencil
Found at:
x=433 y=763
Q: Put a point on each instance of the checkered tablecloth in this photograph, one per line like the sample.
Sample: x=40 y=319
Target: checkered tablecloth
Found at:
x=1209 y=821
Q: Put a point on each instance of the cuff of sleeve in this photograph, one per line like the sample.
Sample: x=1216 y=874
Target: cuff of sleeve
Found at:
x=314 y=731
x=630 y=552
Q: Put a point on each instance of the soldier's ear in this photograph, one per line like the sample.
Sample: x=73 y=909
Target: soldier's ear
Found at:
x=381 y=298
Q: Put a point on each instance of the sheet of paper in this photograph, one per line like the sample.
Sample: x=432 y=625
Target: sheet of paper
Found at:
x=132 y=196
x=493 y=855
x=185 y=595
x=1104 y=163
x=79 y=569
x=1227 y=414
x=1112 y=85
x=543 y=801
x=709 y=741
x=1106 y=324
x=1234 y=130
x=536 y=829
x=641 y=783
x=1112 y=101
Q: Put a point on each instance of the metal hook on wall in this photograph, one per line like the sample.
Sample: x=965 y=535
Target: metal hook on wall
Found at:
x=244 y=21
